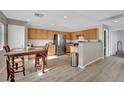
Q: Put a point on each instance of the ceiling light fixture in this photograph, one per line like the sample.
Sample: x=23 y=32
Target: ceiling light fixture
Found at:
x=65 y=17
x=52 y=24
x=115 y=21
x=27 y=20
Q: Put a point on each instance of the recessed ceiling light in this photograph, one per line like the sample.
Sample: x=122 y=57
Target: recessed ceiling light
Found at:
x=52 y=24
x=65 y=17
x=115 y=21
x=27 y=20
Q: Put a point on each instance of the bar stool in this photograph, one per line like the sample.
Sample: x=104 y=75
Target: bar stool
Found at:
x=18 y=63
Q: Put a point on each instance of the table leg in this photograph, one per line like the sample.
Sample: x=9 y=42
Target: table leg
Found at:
x=8 y=73
x=43 y=63
x=12 y=74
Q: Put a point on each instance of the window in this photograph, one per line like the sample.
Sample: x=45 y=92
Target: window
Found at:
x=1 y=35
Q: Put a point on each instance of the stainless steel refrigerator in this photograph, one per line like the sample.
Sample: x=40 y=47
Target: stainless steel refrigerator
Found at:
x=60 y=43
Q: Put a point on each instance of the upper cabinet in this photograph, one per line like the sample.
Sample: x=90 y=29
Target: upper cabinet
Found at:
x=37 y=33
x=74 y=37
x=89 y=34
x=41 y=34
x=31 y=33
x=68 y=35
x=34 y=33
x=50 y=35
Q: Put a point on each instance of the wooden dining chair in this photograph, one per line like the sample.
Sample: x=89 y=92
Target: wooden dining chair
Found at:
x=46 y=53
x=18 y=63
x=41 y=59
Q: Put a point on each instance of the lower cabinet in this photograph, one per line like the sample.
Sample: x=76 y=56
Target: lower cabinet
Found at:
x=68 y=48
x=31 y=56
x=51 y=51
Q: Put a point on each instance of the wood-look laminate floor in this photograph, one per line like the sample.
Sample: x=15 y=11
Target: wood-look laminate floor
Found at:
x=110 y=69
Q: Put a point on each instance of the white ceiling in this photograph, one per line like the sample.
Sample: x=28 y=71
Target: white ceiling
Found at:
x=76 y=19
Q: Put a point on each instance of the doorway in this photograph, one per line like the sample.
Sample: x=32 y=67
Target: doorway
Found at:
x=106 y=42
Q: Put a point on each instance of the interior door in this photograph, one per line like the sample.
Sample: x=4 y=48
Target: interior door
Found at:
x=16 y=36
x=106 y=43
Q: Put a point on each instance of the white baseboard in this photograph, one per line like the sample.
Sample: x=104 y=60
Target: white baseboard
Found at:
x=94 y=61
x=81 y=67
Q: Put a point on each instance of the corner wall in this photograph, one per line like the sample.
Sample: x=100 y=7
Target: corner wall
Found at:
x=3 y=20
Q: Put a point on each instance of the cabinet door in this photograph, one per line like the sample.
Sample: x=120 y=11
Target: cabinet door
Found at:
x=90 y=34
x=86 y=35
x=94 y=34
x=65 y=34
x=68 y=35
x=78 y=34
x=31 y=33
x=50 y=35
x=51 y=50
x=44 y=34
x=67 y=48
x=74 y=36
x=58 y=32
x=41 y=34
x=55 y=32
x=38 y=34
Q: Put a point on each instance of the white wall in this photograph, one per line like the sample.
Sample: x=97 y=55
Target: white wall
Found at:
x=89 y=52
x=16 y=36
x=116 y=36
x=3 y=20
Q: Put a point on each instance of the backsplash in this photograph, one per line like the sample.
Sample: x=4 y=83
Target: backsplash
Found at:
x=42 y=42
x=39 y=42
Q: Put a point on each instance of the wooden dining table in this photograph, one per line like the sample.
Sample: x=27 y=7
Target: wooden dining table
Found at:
x=20 y=52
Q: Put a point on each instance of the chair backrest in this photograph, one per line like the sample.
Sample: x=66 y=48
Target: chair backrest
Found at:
x=6 y=48
x=46 y=48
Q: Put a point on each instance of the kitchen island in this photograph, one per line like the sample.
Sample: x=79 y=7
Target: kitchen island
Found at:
x=89 y=52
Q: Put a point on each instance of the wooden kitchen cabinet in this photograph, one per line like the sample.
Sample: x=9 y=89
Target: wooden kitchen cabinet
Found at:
x=50 y=35
x=87 y=34
x=37 y=33
x=56 y=32
x=41 y=34
x=91 y=34
x=31 y=33
x=94 y=34
x=68 y=35
x=34 y=33
x=74 y=35
x=51 y=50
x=31 y=56
x=68 y=48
